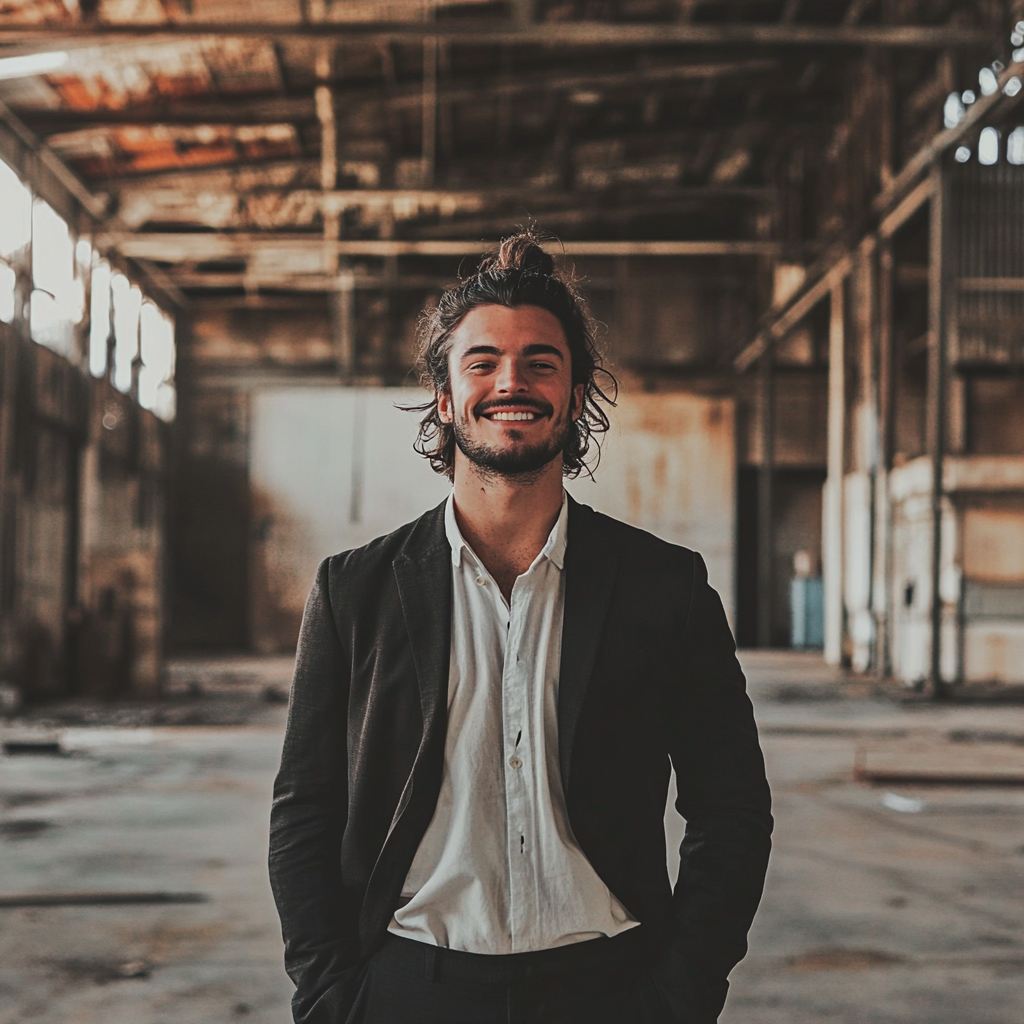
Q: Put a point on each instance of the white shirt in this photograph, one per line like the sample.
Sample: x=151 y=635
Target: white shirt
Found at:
x=498 y=869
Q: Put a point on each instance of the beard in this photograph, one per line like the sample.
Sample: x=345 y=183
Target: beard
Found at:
x=518 y=461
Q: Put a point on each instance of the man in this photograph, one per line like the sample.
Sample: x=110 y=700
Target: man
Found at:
x=468 y=821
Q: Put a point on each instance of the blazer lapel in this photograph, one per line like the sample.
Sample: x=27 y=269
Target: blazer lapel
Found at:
x=423 y=576
x=423 y=573
x=591 y=565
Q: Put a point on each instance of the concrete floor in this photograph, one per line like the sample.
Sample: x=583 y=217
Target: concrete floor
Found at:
x=884 y=903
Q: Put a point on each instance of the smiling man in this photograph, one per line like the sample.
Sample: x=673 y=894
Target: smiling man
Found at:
x=487 y=705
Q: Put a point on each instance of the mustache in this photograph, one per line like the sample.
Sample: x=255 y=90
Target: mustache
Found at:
x=542 y=408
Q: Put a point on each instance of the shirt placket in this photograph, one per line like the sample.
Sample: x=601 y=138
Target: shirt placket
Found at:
x=518 y=793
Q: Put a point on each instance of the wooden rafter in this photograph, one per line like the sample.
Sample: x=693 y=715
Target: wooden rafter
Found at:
x=29 y=37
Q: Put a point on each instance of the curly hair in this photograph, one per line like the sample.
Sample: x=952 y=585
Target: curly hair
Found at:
x=518 y=273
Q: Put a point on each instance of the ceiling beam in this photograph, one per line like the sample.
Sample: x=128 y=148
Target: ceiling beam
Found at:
x=193 y=280
x=576 y=215
x=32 y=37
x=94 y=206
x=471 y=198
x=274 y=109
x=180 y=247
x=227 y=206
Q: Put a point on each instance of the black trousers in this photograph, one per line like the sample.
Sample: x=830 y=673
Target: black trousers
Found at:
x=410 y=982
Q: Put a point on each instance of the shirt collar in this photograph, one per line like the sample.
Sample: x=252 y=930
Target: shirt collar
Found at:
x=553 y=550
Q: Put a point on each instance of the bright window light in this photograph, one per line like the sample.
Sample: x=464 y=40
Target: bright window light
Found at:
x=32 y=64
x=1015 y=146
x=53 y=252
x=962 y=154
x=15 y=212
x=46 y=324
x=988 y=146
x=156 y=340
x=8 y=280
x=987 y=81
x=99 y=319
x=127 y=306
x=953 y=111
x=57 y=302
x=166 y=402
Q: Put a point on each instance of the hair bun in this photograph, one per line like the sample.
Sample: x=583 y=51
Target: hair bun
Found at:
x=520 y=252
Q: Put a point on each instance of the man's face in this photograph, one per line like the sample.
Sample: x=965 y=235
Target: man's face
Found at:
x=511 y=400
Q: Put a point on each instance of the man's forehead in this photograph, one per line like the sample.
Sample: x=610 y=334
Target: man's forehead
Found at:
x=505 y=328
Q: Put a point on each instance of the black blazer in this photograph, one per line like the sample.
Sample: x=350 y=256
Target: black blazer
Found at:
x=648 y=675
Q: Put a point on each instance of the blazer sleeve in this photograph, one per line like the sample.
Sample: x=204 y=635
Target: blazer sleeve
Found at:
x=723 y=795
x=319 y=924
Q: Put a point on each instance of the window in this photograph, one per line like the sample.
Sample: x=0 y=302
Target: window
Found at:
x=1015 y=146
x=127 y=299
x=57 y=300
x=15 y=234
x=99 y=317
x=15 y=213
x=156 y=337
x=988 y=146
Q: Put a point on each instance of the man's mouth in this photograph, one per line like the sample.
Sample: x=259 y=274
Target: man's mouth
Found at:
x=512 y=417
x=513 y=411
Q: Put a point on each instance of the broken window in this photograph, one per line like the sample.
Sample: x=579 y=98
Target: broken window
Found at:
x=127 y=299
x=15 y=234
x=99 y=317
x=57 y=299
x=156 y=375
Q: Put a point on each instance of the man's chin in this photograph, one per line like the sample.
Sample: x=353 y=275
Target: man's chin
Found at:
x=516 y=460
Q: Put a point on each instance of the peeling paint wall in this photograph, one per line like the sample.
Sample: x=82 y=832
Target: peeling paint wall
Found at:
x=669 y=467
x=330 y=468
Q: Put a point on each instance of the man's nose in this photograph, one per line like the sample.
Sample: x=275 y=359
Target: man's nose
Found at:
x=510 y=378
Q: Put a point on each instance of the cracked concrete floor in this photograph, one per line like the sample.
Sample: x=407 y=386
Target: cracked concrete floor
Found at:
x=894 y=903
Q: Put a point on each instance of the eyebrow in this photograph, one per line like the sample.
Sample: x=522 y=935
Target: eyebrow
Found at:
x=536 y=349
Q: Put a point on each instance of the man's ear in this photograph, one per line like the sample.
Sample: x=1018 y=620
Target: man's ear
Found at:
x=577 y=401
x=444 y=406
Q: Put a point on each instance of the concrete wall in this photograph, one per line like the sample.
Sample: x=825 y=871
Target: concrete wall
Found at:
x=330 y=468
x=82 y=480
x=982 y=570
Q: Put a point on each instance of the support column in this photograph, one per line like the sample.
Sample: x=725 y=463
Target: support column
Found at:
x=765 y=480
x=882 y=569
x=860 y=548
x=832 y=547
x=935 y=407
x=342 y=313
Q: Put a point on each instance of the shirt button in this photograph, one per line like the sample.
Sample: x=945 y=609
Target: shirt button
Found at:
x=515 y=761
x=481 y=582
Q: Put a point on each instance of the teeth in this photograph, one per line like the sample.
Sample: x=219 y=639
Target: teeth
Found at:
x=512 y=416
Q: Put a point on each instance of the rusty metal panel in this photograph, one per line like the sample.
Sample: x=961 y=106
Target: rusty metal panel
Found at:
x=993 y=544
x=669 y=466
x=994 y=651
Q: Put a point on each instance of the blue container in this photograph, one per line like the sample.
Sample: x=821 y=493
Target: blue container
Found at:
x=807 y=612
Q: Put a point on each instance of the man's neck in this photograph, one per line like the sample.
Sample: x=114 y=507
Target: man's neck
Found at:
x=506 y=520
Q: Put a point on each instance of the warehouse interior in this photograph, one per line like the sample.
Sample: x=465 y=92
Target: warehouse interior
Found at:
x=798 y=223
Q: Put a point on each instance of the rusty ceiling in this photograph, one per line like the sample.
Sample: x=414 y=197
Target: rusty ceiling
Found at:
x=670 y=121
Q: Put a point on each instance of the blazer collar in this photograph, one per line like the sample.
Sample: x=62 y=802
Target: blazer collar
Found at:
x=423 y=574
x=591 y=565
